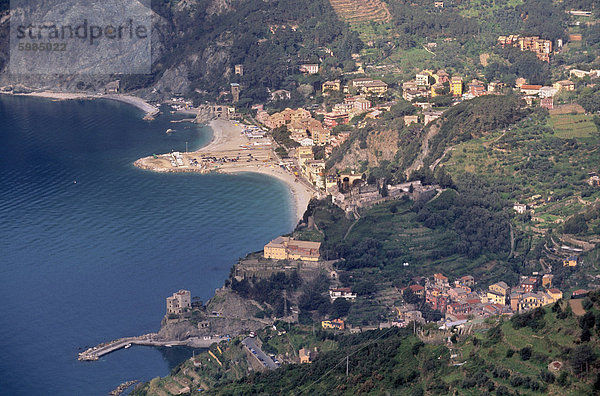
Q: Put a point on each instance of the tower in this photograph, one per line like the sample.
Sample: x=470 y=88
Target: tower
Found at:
x=235 y=92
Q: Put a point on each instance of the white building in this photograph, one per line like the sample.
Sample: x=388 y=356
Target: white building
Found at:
x=307 y=142
x=422 y=78
x=547 y=92
x=344 y=292
x=520 y=208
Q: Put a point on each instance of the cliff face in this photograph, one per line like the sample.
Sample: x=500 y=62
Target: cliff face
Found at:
x=172 y=70
x=381 y=145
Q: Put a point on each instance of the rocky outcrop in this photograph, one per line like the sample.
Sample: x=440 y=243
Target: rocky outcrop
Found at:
x=174 y=80
x=380 y=145
x=172 y=75
x=231 y=305
x=178 y=331
x=225 y=313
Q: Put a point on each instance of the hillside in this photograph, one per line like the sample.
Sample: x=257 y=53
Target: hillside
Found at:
x=545 y=351
x=494 y=152
x=197 y=43
x=353 y=11
x=411 y=147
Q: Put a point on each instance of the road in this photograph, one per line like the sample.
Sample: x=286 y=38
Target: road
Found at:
x=266 y=361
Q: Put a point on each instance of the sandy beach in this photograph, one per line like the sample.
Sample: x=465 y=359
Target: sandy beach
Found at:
x=227 y=135
x=227 y=142
x=140 y=103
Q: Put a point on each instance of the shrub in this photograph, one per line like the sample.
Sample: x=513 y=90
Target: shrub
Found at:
x=516 y=381
x=547 y=377
x=525 y=353
x=563 y=379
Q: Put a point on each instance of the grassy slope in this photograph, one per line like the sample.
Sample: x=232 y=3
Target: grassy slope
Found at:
x=402 y=231
x=532 y=159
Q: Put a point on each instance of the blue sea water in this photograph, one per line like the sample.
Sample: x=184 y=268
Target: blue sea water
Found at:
x=91 y=246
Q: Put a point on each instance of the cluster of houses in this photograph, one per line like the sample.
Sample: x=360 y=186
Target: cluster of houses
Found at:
x=349 y=191
x=460 y=300
x=359 y=93
x=429 y=84
x=303 y=128
x=312 y=170
x=540 y=47
x=545 y=94
x=180 y=104
x=334 y=324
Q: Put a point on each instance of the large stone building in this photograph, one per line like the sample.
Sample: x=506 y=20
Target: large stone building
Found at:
x=286 y=248
x=179 y=302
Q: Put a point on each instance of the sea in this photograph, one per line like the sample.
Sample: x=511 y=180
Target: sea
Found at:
x=90 y=246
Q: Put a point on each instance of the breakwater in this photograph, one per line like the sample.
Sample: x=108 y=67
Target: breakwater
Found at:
x=150 y=339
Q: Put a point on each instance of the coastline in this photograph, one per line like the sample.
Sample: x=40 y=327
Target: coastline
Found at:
x=149 y=110
x=226 y=140
x=226 y=137
x=301 y=195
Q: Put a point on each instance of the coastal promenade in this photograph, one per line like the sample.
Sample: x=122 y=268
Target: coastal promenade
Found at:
x=150 y=339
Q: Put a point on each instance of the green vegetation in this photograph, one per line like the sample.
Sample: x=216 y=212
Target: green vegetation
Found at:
x=533 y=159
x=268 y=290
x=456 y=233
x=572 y=125
x=511 y=63
x=505 y=357
x=282 y=136
x=475 y=118
x=271 y=42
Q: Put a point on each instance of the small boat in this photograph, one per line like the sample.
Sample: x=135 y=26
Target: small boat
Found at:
x=170 y=130
x=127 y=346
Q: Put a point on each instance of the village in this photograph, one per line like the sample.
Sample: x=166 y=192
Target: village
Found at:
x=299 y=141
x=457 y=301
x=436 y=298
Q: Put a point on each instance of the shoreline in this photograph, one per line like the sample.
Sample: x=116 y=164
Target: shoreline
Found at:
x=149 y=110
x=227 y=138
x=300 y=194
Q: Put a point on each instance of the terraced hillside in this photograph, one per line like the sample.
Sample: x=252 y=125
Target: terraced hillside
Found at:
x=355 y=11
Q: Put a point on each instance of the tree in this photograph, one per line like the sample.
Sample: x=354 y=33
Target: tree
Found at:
x=525 y=353
x=575 y=224
x=340 y=307
x=365 y=287
x=410 y=297
x=581 y=358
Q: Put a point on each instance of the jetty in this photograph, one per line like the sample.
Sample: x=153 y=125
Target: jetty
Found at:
x=122 y=388
x=151 y=339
